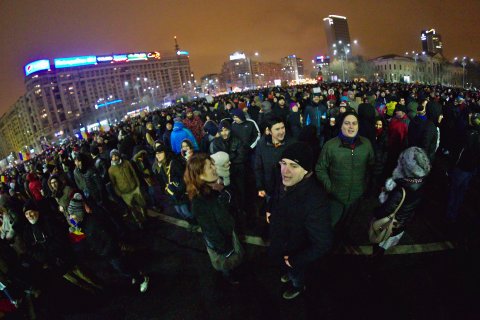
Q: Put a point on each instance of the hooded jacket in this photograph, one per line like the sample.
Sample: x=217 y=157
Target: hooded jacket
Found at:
x=34 y=186
x=179 y=134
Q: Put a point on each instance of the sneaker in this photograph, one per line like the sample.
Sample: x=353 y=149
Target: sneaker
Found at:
x=293 y=293
x=285 y=278
x=144 y=284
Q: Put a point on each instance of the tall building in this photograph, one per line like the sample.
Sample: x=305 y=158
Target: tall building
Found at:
x=69 y=95
x=336 y=29
x=431 y=41
x=293 y=68
x=237 y=72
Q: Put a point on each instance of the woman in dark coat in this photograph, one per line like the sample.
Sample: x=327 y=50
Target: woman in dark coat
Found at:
x=169 y=171
x=210 y=206
x=409 y=176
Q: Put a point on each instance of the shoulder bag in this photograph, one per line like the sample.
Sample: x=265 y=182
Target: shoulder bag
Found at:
x=381 y=229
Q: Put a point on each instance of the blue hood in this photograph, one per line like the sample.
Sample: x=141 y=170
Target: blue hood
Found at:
x=178 y=126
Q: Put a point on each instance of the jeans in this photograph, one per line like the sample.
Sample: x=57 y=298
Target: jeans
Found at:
x=459 y=185
x=297 y=276
x=184 y=211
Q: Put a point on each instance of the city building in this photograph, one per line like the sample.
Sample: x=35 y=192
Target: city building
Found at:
x=293 y=68
x=265 y=73
x=336 y=29
x=431 y=42
x=241 y=72
x=425 y=68
x=210 y=84
x=67 y=96
x=236 y=73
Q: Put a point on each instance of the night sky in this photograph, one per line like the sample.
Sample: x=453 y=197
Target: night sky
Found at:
x=210 y=30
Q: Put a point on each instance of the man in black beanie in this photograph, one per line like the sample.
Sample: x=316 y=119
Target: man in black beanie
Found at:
x=301 y=231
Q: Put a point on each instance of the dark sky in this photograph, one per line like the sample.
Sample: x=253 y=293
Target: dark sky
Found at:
x=211 y=29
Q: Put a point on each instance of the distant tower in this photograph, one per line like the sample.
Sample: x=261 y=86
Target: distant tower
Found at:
x=177 y=47
x=336 y=29
x=431 y=41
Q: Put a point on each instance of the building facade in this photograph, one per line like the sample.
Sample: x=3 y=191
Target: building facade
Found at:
x=427 y=69
x=68 y=95
x=293 y=68
x=336 y=30
x=241 y=73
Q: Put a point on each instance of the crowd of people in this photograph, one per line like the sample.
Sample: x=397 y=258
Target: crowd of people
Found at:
x=299 y=159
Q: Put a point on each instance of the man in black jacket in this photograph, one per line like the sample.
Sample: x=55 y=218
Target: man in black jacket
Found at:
x=238 y=154
x=422 y=131
x=301 y=231
x=466 y=166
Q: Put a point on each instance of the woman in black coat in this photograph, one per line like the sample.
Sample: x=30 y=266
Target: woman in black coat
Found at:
x=407 y=182
x=210 y=206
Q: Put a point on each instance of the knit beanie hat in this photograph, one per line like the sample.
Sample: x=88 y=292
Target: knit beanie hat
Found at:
x=114 y=152
x=224 y=124
x=221 y=158
x=239 y=113
x=30 y=204
x=412 y=163
x=211 y=128
x=301 y=153
x=76 y=206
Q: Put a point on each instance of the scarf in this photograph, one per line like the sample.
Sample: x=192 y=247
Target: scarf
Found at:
x=350 y=141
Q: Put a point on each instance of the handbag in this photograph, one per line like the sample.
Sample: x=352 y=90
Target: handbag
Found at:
x=381 y=229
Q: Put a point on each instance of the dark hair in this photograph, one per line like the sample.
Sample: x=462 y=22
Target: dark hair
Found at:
x=270 y=120
x=188 y=142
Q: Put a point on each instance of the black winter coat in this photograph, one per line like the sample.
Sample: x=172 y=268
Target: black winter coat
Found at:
x=247 y=132
x=414 y=192
x=47 y=242
x=267 y=157
x=212 y=214
x=423 y=134
x=469 y=157
x=233 y=146
x=300 y=224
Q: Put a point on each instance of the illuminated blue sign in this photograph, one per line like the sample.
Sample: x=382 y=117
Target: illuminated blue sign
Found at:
x=137 y=56
x=185 y=53
x=104 y=59
x=36 y=66
x=97 y=106
x=75 y=61
x=120 y=57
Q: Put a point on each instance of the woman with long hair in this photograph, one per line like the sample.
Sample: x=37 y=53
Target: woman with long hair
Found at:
x=210 y=202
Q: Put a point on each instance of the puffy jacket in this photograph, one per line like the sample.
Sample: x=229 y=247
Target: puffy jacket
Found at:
x=344 y=171
x=179 y=134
